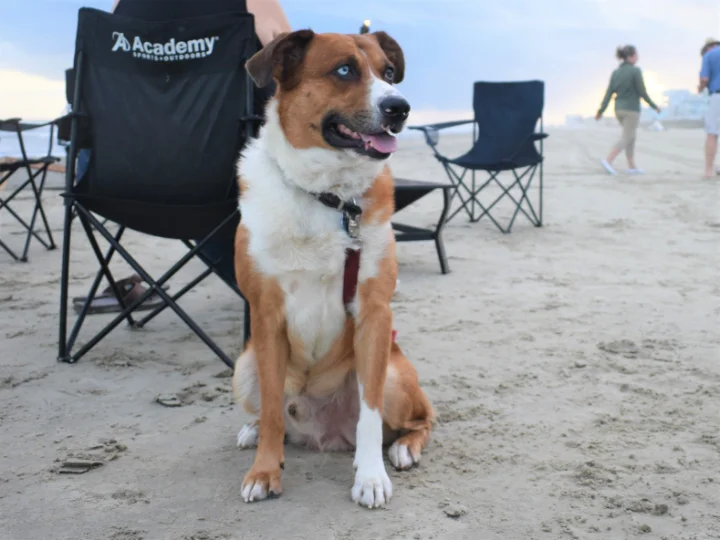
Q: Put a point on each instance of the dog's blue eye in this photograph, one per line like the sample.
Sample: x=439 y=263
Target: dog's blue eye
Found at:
x=343 y=70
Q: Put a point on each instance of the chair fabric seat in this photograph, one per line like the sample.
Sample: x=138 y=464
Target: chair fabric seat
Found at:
x=179 y=222
x=470 y=161
x=409 y=191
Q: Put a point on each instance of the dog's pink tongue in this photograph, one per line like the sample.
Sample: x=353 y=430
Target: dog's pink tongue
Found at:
x=382 y=142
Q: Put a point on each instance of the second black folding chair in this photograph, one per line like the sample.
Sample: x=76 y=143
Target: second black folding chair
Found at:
x=24 y=165
x=169 y=106
x=507 y=117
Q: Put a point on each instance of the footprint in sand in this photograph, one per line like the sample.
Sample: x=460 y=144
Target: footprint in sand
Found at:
x=622 y=346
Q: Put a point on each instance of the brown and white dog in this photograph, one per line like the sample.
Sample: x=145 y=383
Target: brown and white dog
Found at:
x=322 y=366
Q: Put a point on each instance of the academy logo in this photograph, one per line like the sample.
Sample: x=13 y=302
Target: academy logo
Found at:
x=170 y=51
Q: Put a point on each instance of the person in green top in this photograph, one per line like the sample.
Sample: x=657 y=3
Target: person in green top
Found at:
x=628 y=86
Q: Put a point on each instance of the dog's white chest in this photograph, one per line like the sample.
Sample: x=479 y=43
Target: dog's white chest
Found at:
x=313 y=288
x=315 y=312
x=302 y=245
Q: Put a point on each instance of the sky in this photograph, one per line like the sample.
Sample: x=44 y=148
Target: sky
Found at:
x=448 y=45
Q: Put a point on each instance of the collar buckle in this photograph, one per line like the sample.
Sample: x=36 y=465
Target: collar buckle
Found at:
x=351 y=213
x=351 y=224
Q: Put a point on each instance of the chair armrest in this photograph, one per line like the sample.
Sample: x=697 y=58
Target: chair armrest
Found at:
x=442 y=125
x=9 y=124
x=431 y=131
x=18 y=125
x=535 y=136
x=64 y=117
x=252 y=118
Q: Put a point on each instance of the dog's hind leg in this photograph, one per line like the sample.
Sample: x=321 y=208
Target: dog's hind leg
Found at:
x=406 y=411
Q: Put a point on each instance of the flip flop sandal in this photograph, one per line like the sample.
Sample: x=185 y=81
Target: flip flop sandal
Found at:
x=131 y=288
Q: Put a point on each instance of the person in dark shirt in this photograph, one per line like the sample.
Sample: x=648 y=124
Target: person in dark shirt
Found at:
x=628 y=86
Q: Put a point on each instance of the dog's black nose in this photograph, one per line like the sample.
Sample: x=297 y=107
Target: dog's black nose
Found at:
x=395 y=109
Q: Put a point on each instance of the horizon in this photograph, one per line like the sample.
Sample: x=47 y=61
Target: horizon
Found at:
x=572 y=51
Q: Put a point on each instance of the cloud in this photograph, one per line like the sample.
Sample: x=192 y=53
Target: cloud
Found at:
x=450 y=44
x=509 y=15
x=30 y=97
x=52 y=64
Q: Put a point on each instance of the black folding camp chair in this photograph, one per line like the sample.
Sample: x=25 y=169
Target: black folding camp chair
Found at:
x=507 y=115
x=168 y=106
x=26 y=164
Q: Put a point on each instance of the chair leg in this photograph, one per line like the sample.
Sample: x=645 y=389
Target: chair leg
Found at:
x=64 y=278
x=90 y=222
x=155 y=312
x=155 y=286
x=540 y=198
x=235 y=288
x=42 y=210
x=5 y=204
x=474 y=199
x=485 y=210
x=37 y=192
x=507 y=192
x=104 y=263
x=439 y=244
x=524 y=197
x=458 y=183
x=104 y=268
x=9 y=251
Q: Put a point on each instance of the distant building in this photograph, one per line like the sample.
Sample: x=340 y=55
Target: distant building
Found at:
x=685 y=105
x=574 y=120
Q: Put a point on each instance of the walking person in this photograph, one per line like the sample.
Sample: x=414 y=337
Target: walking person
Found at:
x=710 y=79
x=628 y=86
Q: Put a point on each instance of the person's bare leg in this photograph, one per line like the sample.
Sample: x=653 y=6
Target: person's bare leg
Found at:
x=619 y=147
x=710 y=151
x=612 y=155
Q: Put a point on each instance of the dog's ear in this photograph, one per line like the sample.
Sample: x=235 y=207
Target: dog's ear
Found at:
x=394 y=53
x=279 y=59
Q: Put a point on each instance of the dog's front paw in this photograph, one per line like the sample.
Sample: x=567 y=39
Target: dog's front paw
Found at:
x=372 y=488
x=261 y=484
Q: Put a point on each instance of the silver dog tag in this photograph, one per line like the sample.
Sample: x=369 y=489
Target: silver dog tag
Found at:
x=353 y=227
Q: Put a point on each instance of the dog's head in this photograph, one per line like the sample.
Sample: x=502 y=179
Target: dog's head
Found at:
x=336 y=92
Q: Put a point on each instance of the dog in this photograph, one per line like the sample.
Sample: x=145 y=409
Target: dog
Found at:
x=315 y=259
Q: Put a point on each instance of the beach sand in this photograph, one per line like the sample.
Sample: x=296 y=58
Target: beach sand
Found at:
x=575 y=370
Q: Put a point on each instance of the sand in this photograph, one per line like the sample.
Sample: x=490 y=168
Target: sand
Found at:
x=575 y=370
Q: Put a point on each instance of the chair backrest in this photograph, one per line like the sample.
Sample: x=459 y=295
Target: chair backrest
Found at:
x=165 y=101
x=507 y=114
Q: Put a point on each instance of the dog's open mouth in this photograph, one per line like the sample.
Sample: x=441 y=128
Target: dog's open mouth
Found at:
x=377 y=145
